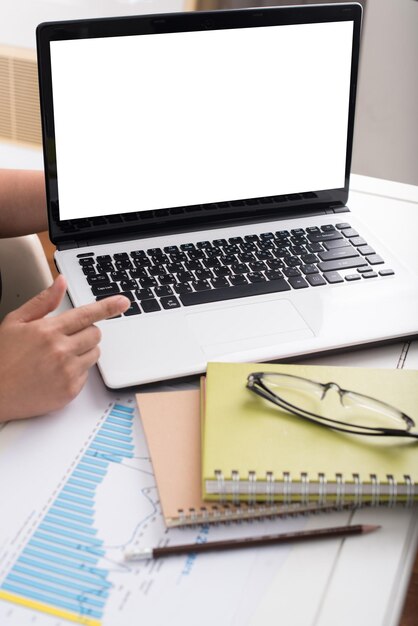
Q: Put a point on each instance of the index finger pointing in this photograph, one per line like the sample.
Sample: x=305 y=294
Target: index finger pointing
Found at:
x=82 y=317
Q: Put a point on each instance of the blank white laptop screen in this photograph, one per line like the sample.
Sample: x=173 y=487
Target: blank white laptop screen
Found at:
x=146 y=122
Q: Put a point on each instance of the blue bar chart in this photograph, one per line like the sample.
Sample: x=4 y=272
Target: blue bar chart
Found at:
x=60 y=569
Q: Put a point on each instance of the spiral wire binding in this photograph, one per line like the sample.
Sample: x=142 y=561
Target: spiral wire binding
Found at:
x=287 y=488
x=339 y=497
x=221 y=485
x=393 y=490
x=252 y=486
x=304 y=488
x=410 y=487
x=322 y=489
x=357 y=497
x=375 y=501
x=235 y=486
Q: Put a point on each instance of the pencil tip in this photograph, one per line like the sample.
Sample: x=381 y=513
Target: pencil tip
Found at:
x=369 y=528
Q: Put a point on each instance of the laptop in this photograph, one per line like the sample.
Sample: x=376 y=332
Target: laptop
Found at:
x=199 y=163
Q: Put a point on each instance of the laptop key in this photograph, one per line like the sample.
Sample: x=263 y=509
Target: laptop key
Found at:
x=149 y=306
x=133 y=310
x=203 y=274
x=290 y=272
x=183 y=288
x=174 y=268
x=86 y=261
x=309 y=258
x=317 y=237
x=335 y=243
x=257 y=266
x=104 y=267
x=184 y=277
x=263 y=255
x=298 y=282
x=217 y=283
x=163 y=290
x=387 y=272
x=136 y=273
x=167 y=279
x=191 y=266
x=239 y=268
x=349 y=232
x=196 y=254
x=369 y=275
x=275 y=264
x=170 y=302
x=365 y=250
x=338 y=253
x=144 y=294
x=238 y=279
x=128 y=285
x=341 y=264
x=105 y=290
x=333 y=277
x=138 y=254
x=317 y=247
x=156 y=270
x=98 y=279
x=309 y=269
x=201 y=285
x=123 y=264
x=247 y=257
x=358 y=241
x=230 y=293
x=351 y=277
x=375 y=259
x=120 y=256
x=222 y=271
x=211 y=262
x=89 y=270
x=273 y=274
x=256 y=277
x=187 y=246
x=292 y=261
x=120 y=275
x=156 y=252
x=147 y=282
x=315 y=280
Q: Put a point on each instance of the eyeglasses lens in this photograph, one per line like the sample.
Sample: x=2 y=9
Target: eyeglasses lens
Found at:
x=331 y=403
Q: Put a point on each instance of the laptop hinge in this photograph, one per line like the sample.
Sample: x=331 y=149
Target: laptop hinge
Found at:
x=338 y=208
x=68 y=245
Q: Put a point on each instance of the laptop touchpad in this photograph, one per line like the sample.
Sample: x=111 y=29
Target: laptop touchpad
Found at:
x=246 y=326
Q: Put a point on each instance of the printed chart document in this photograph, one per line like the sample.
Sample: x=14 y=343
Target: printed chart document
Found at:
x=77 y=490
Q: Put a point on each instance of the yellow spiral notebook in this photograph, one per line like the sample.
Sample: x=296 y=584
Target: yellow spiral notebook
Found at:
x=252 y=450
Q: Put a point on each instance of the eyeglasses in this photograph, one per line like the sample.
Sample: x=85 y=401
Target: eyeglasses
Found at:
x=351 y=412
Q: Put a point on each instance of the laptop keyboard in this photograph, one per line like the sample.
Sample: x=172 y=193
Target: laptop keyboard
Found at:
x=223 y=269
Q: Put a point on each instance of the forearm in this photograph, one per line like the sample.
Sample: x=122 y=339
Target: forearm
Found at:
x=22 y=202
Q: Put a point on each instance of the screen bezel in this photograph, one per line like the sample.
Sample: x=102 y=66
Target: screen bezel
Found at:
x=76 y=232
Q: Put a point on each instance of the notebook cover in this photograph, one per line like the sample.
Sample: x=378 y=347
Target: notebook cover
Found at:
x=171 y=422
x=251 y=445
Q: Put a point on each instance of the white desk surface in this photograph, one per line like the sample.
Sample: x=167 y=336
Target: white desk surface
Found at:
x=359 y=581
